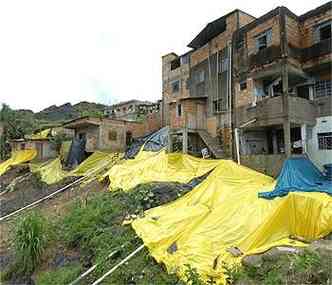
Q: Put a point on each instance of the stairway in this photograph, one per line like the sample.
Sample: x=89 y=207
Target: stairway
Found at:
x=212 y=144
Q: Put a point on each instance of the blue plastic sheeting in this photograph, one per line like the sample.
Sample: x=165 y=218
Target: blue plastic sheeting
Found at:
x=299 y=174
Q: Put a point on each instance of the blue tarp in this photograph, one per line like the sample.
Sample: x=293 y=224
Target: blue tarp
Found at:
x=299 y=174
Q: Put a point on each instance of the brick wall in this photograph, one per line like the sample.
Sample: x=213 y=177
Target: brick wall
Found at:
x=246 y=96
x=309 y=24
x=216 y=44
x=245 y=19
x=272 y=23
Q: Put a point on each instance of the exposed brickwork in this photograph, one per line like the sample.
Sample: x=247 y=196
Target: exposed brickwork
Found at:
x=308 y=26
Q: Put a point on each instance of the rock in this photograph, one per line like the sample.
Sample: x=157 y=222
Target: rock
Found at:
x=271 y=255
x=253 y=261
x=323 y=247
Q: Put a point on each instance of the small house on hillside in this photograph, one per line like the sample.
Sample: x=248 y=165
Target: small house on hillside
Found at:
x=41 y=142
x=106 y=133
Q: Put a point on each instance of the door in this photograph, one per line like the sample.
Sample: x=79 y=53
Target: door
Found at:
x=201 y=117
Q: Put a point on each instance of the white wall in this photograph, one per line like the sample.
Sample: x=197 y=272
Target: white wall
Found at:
x=319 y=157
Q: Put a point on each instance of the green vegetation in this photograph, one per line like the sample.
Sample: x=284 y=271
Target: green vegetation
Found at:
x=61 y=276
x=304 y=268
x=30 y=239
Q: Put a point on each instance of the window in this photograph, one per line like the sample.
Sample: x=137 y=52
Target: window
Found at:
x=324 y=141
x=223 y=61
x=179 y=110
x=175 y=86
x=323 y=88
x=243 y=85
x=112 y=135
x=217 y=106
x=184 y=59
x=323 y=32
x=264 y=40
x=200 y=76
x=175 y=63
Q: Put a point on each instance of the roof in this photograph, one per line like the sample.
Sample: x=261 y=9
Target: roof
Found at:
x=132 y=101
x=320 y=9
x=210 y=31
x=91 y=121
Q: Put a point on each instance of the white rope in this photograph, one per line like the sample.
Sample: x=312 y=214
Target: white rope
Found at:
x=92 y=268
x=34 y=204
x=118 y=265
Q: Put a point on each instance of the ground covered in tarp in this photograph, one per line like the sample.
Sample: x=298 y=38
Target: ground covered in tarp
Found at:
x=299 y=174
x=16 y=158
x=157 y=167
x=52 y=171
x=223 y=214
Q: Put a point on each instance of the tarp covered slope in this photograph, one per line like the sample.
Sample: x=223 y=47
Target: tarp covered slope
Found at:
x=158 y=167
x=224 y=211
x=18 y=157
x=51 y=172
x=299 y=174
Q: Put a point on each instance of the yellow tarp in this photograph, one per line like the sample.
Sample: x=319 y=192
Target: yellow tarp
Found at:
x=40 y=135
x=51 y=172
x=17 y=157
x=224 y=212
x=158 y=166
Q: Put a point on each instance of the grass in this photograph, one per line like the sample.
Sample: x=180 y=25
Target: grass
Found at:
x=30 y=238
x=61 y=276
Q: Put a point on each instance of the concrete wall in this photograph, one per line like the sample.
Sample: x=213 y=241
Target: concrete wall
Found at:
x=43 y=147
x=320 y=157
x=269 y=164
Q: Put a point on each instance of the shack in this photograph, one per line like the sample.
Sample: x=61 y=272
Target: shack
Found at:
x=106 y=134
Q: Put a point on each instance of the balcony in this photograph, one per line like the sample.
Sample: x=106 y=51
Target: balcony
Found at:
x=269 y=112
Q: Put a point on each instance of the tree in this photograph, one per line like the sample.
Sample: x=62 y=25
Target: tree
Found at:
x=15 y=124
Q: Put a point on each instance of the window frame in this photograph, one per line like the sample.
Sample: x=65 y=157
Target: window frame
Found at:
x=241 y=83
x=267 y=34
x=112 y=135
x=175 y=83
x=324 y=141
x=179 y=108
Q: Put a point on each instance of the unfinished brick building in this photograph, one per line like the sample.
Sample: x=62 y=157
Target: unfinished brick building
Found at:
x=256 y=90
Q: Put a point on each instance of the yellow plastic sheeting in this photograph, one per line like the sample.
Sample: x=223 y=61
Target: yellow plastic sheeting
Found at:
x=18 y=157
x=51 y=172
x=40 y=135
x=98 y=160
x=224 y=212
x=158 y=166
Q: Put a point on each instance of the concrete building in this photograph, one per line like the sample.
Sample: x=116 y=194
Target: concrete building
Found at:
x=108 y=134
x=255 y=90
x=133 y=110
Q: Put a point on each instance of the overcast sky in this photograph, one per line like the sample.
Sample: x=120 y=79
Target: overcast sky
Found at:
x=53 y=52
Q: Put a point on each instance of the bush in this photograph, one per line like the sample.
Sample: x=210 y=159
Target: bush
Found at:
x=30 y=239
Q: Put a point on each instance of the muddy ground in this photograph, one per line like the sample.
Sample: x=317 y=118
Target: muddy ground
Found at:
x=27 y=191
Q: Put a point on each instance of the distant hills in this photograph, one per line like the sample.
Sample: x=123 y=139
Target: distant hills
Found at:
x=65 y=112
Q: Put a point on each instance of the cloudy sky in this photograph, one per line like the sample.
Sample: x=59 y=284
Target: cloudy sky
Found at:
x=53 y=52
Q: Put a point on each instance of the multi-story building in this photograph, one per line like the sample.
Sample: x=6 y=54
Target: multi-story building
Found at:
x=256 y=90
x=133 y=110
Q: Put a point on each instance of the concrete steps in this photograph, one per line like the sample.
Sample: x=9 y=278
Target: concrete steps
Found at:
x=212 y=144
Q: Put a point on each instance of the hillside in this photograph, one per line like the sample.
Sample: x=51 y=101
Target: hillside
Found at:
x=68 y=111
